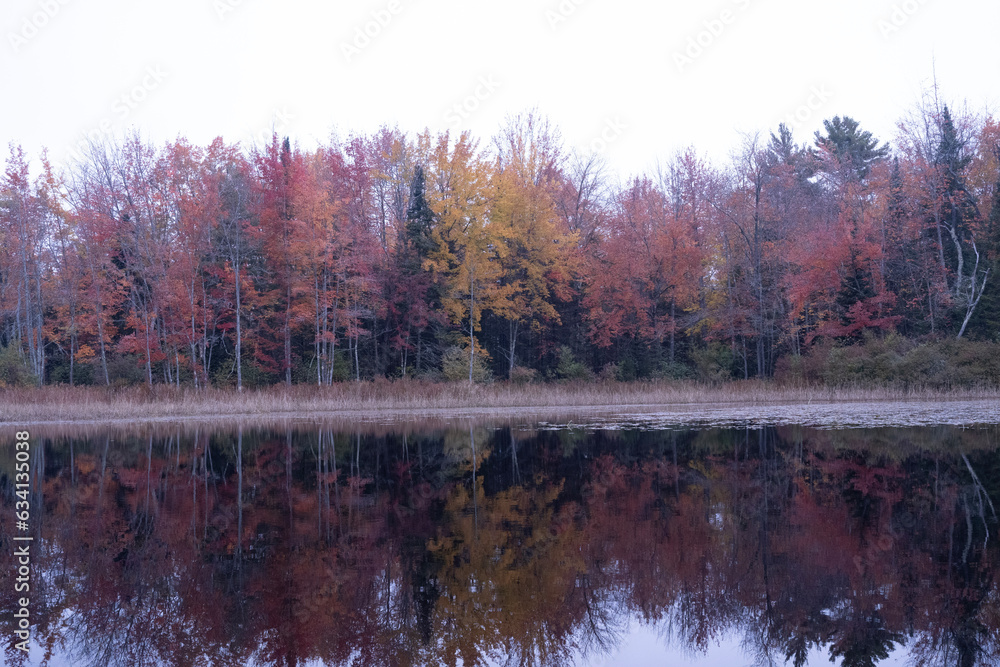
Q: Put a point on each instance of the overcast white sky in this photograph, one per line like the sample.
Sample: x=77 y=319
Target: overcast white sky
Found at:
x=628 y=70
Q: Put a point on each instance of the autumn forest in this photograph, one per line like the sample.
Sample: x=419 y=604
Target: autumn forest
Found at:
x=833 y=258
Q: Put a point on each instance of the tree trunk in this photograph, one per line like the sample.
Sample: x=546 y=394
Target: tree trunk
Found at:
x=288 y=337
x=239 y=329
x=472 y=320
x=512 y=329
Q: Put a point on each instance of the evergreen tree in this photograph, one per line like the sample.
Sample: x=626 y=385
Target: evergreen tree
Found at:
x=951 y=154
x=954 y=210
x=419 y=220
x=902 y=275
x=782 y=150
x=849 y=147
x=413 y=298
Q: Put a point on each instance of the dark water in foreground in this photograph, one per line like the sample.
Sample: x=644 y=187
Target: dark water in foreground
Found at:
x=510 y=544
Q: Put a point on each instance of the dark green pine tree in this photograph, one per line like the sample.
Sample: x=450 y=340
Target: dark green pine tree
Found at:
x=852 y=149
x=782 y=150
x=419 y=220
x=955 y=213
x=851 y=153
x=952 y=159
x=414 y=297
x=286 y=151
x=897 y=204
x=901 y=275
x=951 y=154
x=856 y=286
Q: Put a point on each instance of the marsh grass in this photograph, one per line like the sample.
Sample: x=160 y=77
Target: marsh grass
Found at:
x=132 y=404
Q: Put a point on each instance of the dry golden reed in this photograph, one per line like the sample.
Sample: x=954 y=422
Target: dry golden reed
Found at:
x=98 y=404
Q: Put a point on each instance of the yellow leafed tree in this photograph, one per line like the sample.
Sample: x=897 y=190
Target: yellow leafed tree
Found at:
x=465 y=255
x=535 y=248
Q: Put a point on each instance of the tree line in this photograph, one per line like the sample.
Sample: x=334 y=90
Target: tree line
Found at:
x=439 y=256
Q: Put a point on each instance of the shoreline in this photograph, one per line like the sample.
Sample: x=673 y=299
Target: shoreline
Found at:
x=368 y=400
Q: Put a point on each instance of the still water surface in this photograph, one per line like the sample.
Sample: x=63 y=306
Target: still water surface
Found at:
x=631 y=541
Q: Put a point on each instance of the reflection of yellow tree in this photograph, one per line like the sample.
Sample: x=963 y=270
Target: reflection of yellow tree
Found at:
x=534 y=247
x=507 y=576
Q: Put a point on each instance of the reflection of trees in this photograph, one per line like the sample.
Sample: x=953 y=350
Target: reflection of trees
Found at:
x=963 y=629
x=283 y=548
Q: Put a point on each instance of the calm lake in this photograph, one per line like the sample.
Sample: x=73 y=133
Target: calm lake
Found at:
x=640 y=539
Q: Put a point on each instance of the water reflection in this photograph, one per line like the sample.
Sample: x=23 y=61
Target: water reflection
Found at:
x=511 y=545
